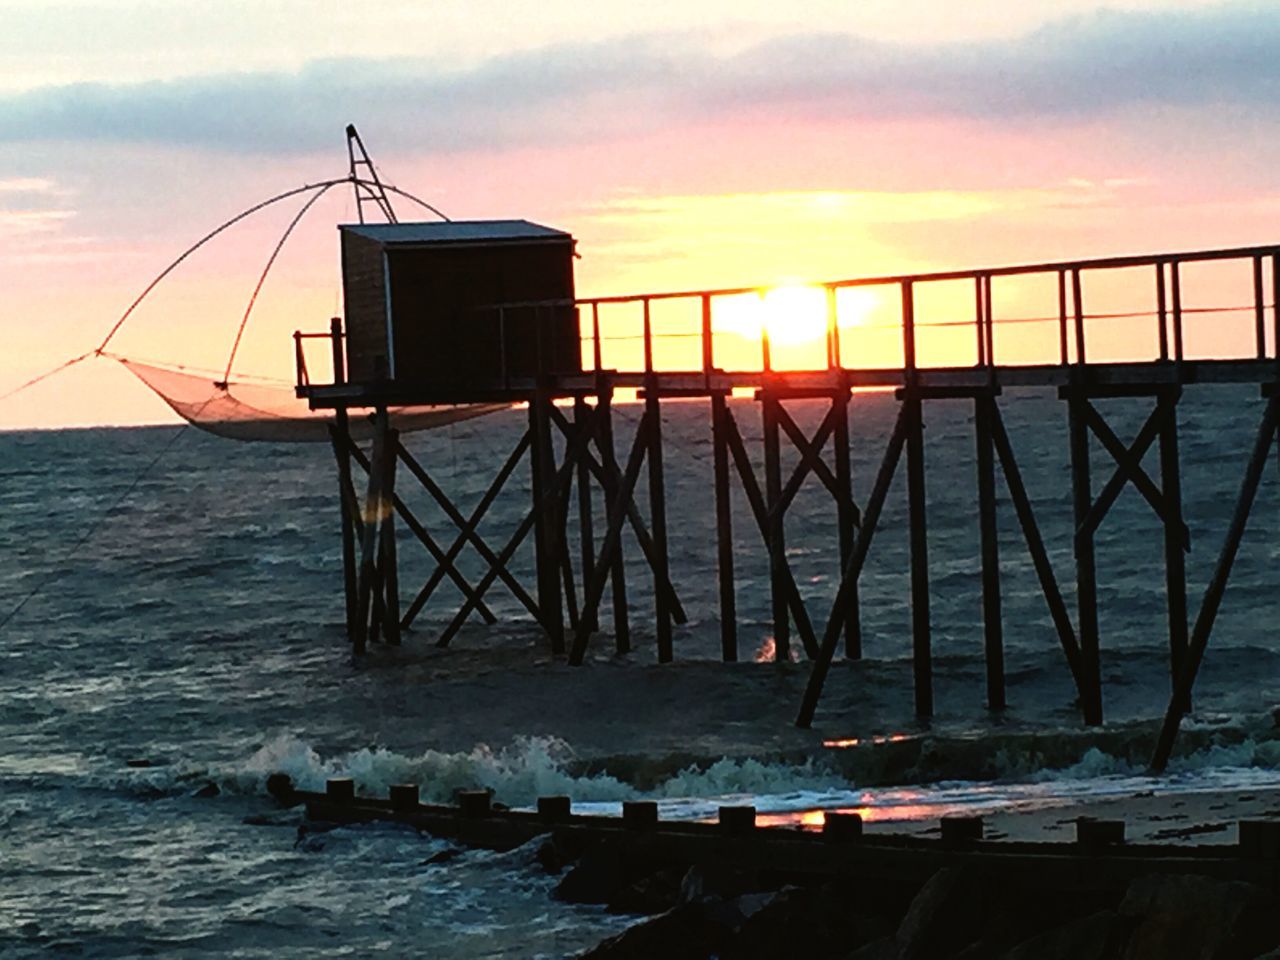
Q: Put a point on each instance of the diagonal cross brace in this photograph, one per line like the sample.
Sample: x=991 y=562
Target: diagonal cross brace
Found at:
x=427 y=541
x=1129 y=469
x=853 y=570
x=473 y=522
x=759 y=509
x=467 y=529
x=811 y=461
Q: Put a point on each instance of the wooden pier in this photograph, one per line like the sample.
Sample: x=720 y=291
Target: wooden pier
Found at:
x=571 y=442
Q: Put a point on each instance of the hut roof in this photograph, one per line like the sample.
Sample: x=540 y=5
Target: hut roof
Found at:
x=453 y=231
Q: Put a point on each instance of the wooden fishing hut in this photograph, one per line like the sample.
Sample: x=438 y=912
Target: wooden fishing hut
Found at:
x=485 y=313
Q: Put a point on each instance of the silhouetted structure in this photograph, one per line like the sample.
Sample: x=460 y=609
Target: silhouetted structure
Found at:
x=505 y=367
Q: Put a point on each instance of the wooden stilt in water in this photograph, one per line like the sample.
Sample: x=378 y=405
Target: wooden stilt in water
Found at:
x=846 y=519
x=368 y=545
x=921 y=640
x=1199 y=642
x=1175 y=567
x=390 y=576
x=586 y=533
x=339 y=434
x=724 y=530
x=546 y=522
x=617 y=564
x=1086 y=575
x=776 y=536
x=993 y=624
x=658 y=522
x=612 y=537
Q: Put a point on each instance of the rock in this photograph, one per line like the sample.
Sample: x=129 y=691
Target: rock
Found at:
x=945 y=917
x=801 y=922
x=207 y=791
x=1183 y=917
x=713 y=881
x=139 y=763
x=595 y=878
x=679 y=934
x=655 y=893
x=1094 y=937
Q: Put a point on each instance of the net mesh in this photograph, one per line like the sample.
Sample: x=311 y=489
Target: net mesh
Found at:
x=251 y=411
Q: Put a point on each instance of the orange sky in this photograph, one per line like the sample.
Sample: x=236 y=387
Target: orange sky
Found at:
x=752 y=150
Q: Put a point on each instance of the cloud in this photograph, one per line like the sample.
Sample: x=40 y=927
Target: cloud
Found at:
x=1082 y=67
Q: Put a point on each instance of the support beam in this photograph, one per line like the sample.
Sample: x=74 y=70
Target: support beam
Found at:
x=368 y=545
x=1175 y=567
x=582 y=421
x=546 y=522
x=609 y=483
x=847 y=518
x=992 y=620
x=775 y=536
x=339 y=435
x=658 y=522
x=921 y=639
x=724 y=530
x=1086 y=574
x=387 y=560
x=1181 y=696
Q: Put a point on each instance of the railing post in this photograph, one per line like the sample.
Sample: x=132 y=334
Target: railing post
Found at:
x=1259 y=309
x=908 y=329
x=1077 y=297
x=1162 y=311
x=708 y=357
x=648 y=338
x=766 y=347
x=979 y=317
x=833 y=330
x=1176 y=283
x=596 y=350
x=1063 y=352
x=339 y=354
x=300 y=361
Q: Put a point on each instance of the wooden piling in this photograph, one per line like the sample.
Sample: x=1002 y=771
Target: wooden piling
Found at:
x=846 y=517
x=921 y=639
x=389 y=572
x=776 y=537
x=658 y=524
x=546 y=523
x=1086 y=574
x=992 y=620
x=1174 y=545
x=613 y=510
x=724 y=530
x=586 y=534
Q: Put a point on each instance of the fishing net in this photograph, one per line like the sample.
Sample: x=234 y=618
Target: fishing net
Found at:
x=251 y=411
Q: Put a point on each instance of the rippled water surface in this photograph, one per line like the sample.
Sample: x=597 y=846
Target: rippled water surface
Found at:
x=191 y=645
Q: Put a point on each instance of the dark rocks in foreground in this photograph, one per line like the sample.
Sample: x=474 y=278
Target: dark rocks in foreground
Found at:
x=958 y=914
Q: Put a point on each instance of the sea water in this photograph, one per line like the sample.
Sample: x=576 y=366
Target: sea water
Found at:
x=184 y=641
